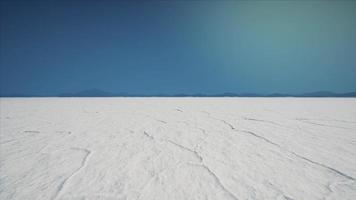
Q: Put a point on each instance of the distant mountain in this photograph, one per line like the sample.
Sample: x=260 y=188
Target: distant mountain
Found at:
x=20 y=95
x=101 y=93
x=348 y=94
x=328 y=94
x=319 y=94
x=88 y=93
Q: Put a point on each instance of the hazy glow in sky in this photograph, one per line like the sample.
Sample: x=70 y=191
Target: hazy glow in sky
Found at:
x=50 y=47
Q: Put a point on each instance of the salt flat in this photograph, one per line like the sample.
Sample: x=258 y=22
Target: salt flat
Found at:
x=178 y=148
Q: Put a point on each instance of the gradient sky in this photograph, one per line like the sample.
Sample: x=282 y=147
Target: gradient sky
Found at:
x=50 y=47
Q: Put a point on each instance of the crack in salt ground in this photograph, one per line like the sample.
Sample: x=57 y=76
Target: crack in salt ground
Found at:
x=329 y=186
x=158 y=120
x=196 y=154
x=330 y=120
x=325 y=166
x=84 y=162
x=279 y=191
x=292 y=152
x=206 y=112
x=308 y=121
x=225 y=122
x=30 y=131
x=204 y=166
x=335 y=171
x=260 y=137
x=179 y=110
x=264 y=121
x=216 y=178
x=300 y=156
x=148 y=135
x=164 y=122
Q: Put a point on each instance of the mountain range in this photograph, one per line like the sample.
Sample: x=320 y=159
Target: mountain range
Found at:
x=101 y=93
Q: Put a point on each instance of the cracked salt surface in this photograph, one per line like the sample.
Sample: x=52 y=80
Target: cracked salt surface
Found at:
x=177 y=148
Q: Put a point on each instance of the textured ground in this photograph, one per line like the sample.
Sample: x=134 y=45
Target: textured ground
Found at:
x=177 y=148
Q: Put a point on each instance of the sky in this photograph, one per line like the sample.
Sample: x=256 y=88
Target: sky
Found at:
x=150 y=47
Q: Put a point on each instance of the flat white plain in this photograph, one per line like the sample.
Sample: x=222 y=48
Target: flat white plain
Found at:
x=178 y=148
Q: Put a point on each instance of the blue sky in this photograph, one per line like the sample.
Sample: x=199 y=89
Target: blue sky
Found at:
x=149 y=47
